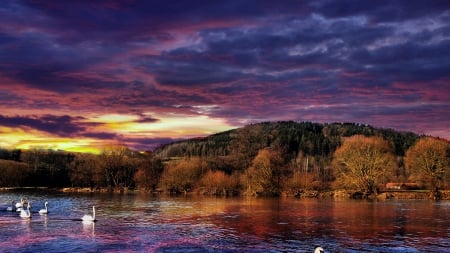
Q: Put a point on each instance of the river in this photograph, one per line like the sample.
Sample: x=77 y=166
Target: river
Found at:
x=141 y=223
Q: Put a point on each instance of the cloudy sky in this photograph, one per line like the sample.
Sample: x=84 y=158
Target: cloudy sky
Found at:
x=76 y=75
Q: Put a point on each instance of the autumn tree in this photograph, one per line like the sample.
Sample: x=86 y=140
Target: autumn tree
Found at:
x=429 y=159
x=183 y=175
x=148 y=172
x=219 y=183
x=263 y=176
x=362 y=162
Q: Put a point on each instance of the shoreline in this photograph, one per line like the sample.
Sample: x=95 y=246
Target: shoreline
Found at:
x=336 y=194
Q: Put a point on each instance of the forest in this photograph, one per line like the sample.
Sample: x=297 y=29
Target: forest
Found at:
x=269 y=158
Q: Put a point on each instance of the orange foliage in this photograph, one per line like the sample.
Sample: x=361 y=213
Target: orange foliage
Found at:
x=428 y=159
x=218 y=183
x=264 y=174
x=362 y=162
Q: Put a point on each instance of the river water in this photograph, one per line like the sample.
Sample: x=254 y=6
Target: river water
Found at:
x=140 y=223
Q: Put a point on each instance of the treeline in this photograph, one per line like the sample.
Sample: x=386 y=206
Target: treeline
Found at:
x=34 y=168
x=117 y=167
x=268 y=158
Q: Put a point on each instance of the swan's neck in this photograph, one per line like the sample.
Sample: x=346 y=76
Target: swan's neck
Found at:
x=28 y=213
x=93 y=212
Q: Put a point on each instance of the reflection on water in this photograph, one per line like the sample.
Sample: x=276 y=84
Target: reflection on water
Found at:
x=138 y=223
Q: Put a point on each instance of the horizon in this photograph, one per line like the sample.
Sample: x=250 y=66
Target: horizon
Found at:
x=78 y=76
x=98 y=151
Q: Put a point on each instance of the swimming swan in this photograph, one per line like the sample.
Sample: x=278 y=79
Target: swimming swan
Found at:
x=20 y=204
x=26 y=213
x=88 y=217
x=319 y=250
x=45 y=210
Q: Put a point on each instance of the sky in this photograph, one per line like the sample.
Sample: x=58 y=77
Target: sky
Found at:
x=79 y=75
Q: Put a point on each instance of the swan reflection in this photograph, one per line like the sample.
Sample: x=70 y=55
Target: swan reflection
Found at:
x=89 y=228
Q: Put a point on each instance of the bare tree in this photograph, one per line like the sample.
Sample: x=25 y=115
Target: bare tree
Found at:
x=119 y=166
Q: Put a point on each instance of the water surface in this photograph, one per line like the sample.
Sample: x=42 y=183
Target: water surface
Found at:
x=140 y=223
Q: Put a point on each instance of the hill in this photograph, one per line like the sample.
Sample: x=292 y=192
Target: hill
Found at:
x=307 y=138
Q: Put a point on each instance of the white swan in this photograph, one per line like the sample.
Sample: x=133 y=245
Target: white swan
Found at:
x=26 y=213
x=88 y=217
x=20 y=204
x=45 y=210
x=319 y=250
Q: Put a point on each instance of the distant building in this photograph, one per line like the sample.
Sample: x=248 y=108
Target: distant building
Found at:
x=402 y=186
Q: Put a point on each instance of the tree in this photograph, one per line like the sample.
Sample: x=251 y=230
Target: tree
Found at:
x=183 y=175
x=362 y=162
x=429 y=159
x=119 y=165
x=263 y=176
x=245 y=144
x=148 y=172
x=219 y=183
x=48 y=167
x=84 y=171
x=13 y=173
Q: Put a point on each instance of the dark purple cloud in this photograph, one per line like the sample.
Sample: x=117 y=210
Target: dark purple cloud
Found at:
x=379 y=62
x=60 y=125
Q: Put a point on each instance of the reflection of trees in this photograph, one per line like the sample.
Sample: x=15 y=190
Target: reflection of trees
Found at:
x=276 y=218
x=348 y=222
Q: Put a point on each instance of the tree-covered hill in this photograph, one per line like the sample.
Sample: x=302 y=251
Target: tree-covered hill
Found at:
x=312 y=139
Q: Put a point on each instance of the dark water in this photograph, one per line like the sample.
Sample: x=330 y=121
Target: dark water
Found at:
x=137 y=223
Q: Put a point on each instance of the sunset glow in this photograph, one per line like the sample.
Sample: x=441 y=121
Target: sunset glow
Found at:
x=81 y=75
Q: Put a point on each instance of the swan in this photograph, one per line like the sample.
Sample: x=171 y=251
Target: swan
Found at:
x=45 y=210
x=19 y=205
x=319 y=250
x=26 y=213
x=88 y=217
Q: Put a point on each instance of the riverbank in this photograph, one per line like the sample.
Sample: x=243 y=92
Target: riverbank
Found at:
x=336 y=194
x=401 y=194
